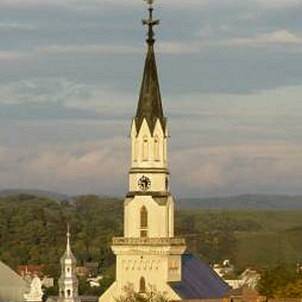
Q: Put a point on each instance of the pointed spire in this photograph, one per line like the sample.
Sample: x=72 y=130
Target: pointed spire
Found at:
x=68 y=253
x=68 y=249
x=150 y=104
x=68 y=282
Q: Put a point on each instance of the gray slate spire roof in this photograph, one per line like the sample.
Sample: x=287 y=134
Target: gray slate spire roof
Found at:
x=150 y=104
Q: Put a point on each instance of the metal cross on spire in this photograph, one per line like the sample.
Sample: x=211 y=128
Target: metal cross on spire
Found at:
x=150 y=23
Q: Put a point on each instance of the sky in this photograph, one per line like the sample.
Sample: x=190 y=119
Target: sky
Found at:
x=231 y=82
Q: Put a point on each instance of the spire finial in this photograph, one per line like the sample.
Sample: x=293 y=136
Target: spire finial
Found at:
x=150 y=23
x=68 y=238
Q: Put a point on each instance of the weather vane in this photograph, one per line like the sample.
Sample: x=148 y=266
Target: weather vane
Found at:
x=150 y=23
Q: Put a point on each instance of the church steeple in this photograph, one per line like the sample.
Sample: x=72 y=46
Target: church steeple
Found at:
x=149 y=253
x=68 y=253
x=149 y=134
x=68 y=282
x=68 y=249
x=150 y=104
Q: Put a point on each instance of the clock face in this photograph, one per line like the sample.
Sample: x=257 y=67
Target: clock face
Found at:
x=144 y=183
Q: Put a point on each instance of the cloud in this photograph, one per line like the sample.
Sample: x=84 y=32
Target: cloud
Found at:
x=172 y=4
x=85 y=165
x=178 y=48
x=31 y=3
x=37 y=91
x=239 y=168
x=230 y=147
x=92 y=3
x=101 y=167
x=52 y=98
x=4 y=27
x=9 y=56
x=87 y=49
x=164 y=47
x=278 y=3
x=69 y=87
x=281 y=37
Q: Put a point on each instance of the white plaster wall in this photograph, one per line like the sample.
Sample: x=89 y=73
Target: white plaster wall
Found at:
x=154 y=268
x=158 y=181
x=160 y=217
x=137 y=145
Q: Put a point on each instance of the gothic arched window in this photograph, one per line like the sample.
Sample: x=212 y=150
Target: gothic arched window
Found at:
x=142 y=285
x=145 y=149
x=156 y=148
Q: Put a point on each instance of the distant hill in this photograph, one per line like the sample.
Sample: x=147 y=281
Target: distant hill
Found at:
x=38 y=193
x=244 y=202
x=261 y=202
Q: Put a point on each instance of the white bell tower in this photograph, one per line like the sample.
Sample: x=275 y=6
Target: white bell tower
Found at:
x=68 y=282
x=148 y=254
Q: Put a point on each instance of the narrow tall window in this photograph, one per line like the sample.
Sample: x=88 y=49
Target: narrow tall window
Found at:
x=134 y=150
x=142 y=285
x=164 y=146
x=144 y=218
x=156 y=148
x=145 y=149
x=144 y=222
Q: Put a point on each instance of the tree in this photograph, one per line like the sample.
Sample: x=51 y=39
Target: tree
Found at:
x=151 y=295
x=291 y=290
x=274 y=281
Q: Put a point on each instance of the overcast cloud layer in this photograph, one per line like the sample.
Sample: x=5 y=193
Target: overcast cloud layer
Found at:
x=231 y=79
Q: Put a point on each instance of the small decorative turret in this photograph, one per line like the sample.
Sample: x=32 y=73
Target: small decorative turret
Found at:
x=68 y=282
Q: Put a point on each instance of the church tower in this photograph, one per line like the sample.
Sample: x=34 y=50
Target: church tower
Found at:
x=68 y=282
x=149 y=175
x=148 y=254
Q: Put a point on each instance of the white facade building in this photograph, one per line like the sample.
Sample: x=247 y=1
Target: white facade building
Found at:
x=12 y=286
x=36 y=293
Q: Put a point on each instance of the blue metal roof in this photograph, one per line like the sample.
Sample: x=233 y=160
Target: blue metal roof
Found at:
x=199 y=281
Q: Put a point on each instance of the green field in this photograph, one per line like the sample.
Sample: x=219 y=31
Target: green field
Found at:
x=262 y=238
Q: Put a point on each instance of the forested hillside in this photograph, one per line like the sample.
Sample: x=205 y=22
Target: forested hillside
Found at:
x=244 y=202
x=32 y=231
